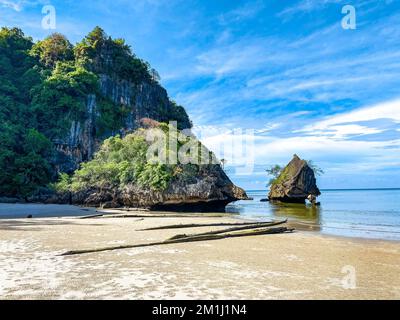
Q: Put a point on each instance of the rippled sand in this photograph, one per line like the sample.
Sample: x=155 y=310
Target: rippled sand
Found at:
x=289 y=266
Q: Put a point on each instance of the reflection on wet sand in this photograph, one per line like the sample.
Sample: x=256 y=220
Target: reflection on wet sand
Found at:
x=301 y=216
x=373 y=214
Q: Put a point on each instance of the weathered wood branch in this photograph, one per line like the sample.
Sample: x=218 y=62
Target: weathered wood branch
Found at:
x=201 y=225
x=194 y=238
x=234 y=229
x=92 y=216
x=122 y=216
x=247 y=233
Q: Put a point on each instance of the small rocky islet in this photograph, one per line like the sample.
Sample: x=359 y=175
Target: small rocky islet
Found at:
x=296 y=183
x=120 y=176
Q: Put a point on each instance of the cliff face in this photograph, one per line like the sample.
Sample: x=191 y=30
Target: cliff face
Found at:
x=209 y=190
x=61 y=103
x=295 y=184
x=123 y=94
x=145 y=100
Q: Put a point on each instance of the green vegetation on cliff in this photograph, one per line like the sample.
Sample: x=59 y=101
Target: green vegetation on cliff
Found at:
x=123 y=161
x=53 y=49
x=119 y=162
x=101 y=54
x=44 y=88
x=24 y=151
x=61 y=98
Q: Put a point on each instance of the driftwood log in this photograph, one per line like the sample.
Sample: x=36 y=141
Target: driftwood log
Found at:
x=92 y=216
x=190 y=238
x=234 y=229
x=201 y=225
x=121 y=216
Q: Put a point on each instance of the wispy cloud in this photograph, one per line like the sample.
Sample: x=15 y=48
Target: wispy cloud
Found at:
x=15 y=5
x=304 y=6
x=389 y=110
x=327 y=67
x=19 y=5
x=330 y=142
x=246 y=11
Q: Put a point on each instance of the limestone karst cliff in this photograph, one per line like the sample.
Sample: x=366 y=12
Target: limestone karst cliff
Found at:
x=60 y=102
x=144 y=100
x=127 y=91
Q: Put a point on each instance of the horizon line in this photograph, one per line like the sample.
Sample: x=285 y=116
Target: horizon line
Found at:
x=339 y=189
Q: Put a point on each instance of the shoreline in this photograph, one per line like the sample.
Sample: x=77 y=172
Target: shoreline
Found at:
x=79 y=212
x=302 y=265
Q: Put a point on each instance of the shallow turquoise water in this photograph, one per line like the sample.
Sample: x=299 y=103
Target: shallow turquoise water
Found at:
x=373 y=214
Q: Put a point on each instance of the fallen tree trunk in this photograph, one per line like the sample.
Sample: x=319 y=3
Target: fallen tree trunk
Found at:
x=121 y=216
x=247 y=233
x=193 y=238
x=92 y=216
x=246 y=227
x=200 y=225
x=165 y=216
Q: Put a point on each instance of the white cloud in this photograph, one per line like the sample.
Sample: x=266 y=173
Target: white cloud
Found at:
x=306 y=6
x=19 y=5
x=326 y=141
x=325 y=66
x=389 y=110
x=15 y=5
x=246 y=11
x=269 y=127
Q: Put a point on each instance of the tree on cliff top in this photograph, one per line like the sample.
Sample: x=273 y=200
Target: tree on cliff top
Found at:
x=274 y=171
x=54 y=48
x=102 y=54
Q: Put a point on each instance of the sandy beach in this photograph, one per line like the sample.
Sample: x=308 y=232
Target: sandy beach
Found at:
x=301 y=265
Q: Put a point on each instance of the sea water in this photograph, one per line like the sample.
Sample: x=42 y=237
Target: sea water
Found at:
x=373 y=214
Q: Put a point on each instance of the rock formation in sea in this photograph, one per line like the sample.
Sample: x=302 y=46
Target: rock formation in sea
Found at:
x=209 y=191
x=120 y=175
x=295 y=184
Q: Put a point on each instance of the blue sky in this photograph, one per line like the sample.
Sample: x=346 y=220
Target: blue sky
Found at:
x=285 y=69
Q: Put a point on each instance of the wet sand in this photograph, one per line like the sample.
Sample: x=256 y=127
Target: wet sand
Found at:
x=301 y=265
